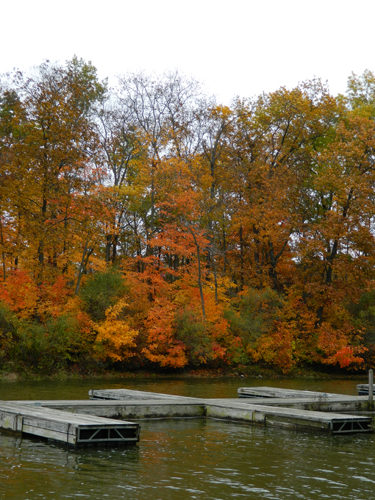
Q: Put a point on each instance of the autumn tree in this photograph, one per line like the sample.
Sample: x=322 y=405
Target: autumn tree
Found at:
x=53 y=161
x=274 y=142
x=212 y=170
x=161 y=113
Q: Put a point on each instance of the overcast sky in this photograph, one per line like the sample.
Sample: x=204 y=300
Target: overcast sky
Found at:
x=232 y=47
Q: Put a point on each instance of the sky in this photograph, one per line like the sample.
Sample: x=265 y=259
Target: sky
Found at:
x=233 y=47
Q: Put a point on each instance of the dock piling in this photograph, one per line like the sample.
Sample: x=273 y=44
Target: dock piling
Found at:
x=371 y=387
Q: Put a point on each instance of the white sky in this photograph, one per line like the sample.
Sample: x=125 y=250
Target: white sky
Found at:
x=232 y=47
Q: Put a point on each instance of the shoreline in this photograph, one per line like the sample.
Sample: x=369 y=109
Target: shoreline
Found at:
x=254 y=372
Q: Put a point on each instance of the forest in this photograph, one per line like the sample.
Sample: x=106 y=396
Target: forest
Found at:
x=146 y=226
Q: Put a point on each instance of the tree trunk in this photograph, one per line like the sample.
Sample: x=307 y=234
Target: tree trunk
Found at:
x=199 y=274
x=242 y=263
x=83 y=265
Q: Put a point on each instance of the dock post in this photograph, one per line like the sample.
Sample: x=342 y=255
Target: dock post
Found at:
x=371 y=387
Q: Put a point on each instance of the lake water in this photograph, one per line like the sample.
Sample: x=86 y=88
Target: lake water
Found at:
x=189 y=459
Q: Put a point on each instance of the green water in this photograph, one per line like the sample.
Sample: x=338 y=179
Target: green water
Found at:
x=189 y=459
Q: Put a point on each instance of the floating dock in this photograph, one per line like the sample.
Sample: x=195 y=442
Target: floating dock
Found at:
x=283 y=413
x=293 y=418
x=100 y=420
x=338 y=404
x=276 y=392
x=128 y=409
x=363 y=389
x=304 y=400
x=69 y=428
x=226 y=409
x=124 y=394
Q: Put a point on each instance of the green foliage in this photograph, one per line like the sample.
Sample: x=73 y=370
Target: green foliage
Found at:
x=102 y=291
x=44 y=348
x=48 y=348
x=364 y=315
x=83 y=75
x=192 y=332
x=253 y=315
x=361 y=91
x=8 y=331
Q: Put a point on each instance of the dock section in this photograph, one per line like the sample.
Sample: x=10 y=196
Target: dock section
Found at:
x=293 y=418
x=72 y=429
x=127 y=409
x=232 y=409
x=339 y=403
x=104 y=418
x=363 y=389
x=276 y=392
x=283 y=413
x=124 y=394
x=306 y=400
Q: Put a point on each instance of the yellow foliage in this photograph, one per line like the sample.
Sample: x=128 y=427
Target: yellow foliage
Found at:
x=115 y=335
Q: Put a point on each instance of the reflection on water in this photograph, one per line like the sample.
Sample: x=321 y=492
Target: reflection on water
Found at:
x=188 y=459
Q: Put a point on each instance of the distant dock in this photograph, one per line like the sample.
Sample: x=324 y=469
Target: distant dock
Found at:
x=363 y=389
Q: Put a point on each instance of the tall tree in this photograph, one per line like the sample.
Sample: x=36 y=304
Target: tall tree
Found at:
x=54 y=160
x=161 y=112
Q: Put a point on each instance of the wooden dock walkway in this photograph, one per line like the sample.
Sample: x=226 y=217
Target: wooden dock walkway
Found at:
x=276 y=392
x=294 y=418
x=289 y=410
x=233 y=409
x=128 y=409
x=122 y=394
x=339 y=404
x=72 y=429
x=100 y=420
x=363 y=389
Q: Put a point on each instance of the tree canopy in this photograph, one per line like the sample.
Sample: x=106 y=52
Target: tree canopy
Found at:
x=149 y=225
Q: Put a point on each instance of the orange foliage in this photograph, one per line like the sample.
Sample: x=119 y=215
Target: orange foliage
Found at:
x=333 y=344
x=197 y=204
x=161 y=345
x=54 y=298
x=20 y=294
x=277 y=349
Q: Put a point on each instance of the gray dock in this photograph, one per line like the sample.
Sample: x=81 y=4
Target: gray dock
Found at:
x=127 y=409
x=233 y=409
x=103 y=419
x=282 y=407
x=123 y=394
x=363 y=389
x=338 y=404
x=294 y=418
x=72 y=429
x=276 y=392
